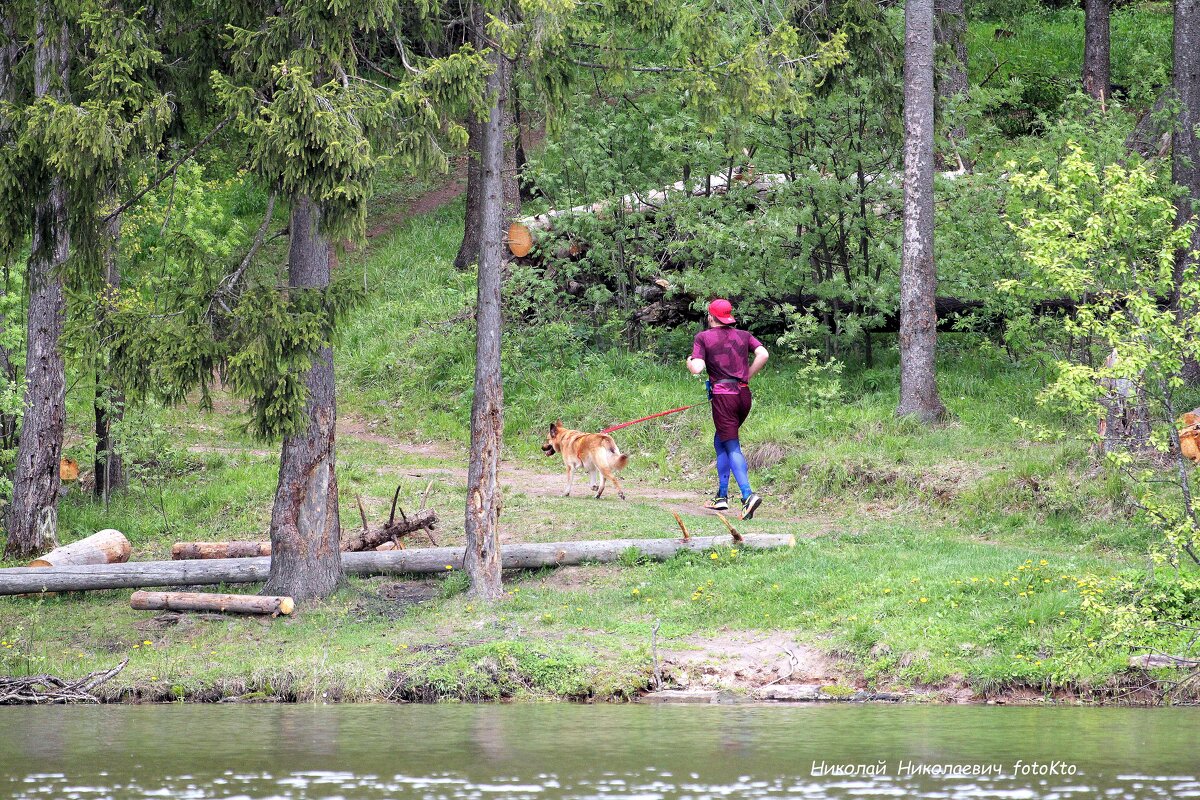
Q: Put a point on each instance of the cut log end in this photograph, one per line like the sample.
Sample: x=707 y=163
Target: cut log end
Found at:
x=520 y=241
x=286 y=605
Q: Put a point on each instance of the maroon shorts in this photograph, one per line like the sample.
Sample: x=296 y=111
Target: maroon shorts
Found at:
x=729 y=411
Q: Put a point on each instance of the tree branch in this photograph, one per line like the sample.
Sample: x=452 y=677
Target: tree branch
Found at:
x=170 y=170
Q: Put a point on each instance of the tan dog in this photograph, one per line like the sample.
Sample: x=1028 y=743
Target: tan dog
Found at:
x=595 y=452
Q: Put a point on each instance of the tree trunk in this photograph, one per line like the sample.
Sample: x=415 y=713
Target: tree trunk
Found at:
x=8 y=57
x=305 y=528
x=525 y=190
x=1185 y=163
x=1095 y=47
x=510 y=178
x=918 y=274
x=32 y=521
x=422 y=560
x=951 y=20
x=110 y=399
x=487 y=409
x=469 y=250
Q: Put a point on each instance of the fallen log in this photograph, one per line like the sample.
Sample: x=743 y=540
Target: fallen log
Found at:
x=520 y=232
x=105 y=547
x=393 y=531
x=1160 y=660
x=183 y=551
x=137 y=574
x=222 y=603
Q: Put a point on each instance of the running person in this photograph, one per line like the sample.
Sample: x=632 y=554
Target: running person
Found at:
x=724 y=352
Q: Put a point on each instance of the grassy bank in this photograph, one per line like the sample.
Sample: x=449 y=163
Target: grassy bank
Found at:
x=961 y=556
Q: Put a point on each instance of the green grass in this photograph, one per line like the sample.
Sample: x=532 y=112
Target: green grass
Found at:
x=1047 y=45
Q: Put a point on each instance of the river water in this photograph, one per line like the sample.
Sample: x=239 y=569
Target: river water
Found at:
x=623 y=752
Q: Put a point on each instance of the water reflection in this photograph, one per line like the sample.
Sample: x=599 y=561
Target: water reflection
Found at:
x=557 y=751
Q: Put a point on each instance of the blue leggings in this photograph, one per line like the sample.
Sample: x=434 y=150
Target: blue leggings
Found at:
x=730 y=459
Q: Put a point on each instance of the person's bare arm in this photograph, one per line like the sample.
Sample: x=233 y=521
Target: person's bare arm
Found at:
x=696 y=365
x=760 y=359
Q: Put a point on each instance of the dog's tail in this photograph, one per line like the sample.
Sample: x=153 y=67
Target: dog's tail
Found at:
x=618 y=461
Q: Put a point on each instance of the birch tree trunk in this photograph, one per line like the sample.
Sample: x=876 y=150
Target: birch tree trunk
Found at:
x=950 y=17
x=1095 y=47
x=918 y=275
x=482 y=558
x=32 y=520
x=306 y=557
x=109 y=403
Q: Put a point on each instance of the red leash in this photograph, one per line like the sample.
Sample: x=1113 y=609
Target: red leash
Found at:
x=652 y=416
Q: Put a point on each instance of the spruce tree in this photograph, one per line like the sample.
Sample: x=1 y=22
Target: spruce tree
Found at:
x=316 y=130
x=89 y=107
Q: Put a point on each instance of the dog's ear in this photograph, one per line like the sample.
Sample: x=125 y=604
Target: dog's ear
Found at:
x=554 y=428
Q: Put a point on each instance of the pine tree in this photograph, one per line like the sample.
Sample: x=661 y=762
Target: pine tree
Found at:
x=90 y=107
x=32 y=518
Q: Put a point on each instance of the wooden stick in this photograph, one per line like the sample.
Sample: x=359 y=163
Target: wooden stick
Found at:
x=20 y=580
x=686 y=536
x=362 y=513
x=392 y=514
x=737 y=537
x=221 y=603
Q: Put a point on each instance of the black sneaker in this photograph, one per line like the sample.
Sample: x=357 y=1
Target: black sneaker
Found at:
x=718 y=504
x=750 y=505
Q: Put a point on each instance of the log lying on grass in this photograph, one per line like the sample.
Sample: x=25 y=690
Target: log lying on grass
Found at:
x=370 y=539
x=186 y=551
x=22 y=580
x=106 y=547
x=222 y=603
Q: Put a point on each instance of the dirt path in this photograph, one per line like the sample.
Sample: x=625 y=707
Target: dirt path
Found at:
x=548 y=482
x=432 y=200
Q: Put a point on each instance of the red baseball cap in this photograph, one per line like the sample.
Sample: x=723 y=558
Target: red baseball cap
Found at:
x=722 y=311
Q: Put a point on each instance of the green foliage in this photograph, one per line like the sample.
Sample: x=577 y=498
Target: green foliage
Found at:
x=1107 y=235
x=86 y=133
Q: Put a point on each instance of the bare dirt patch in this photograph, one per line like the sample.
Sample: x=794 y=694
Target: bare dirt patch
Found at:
x=740 y=659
